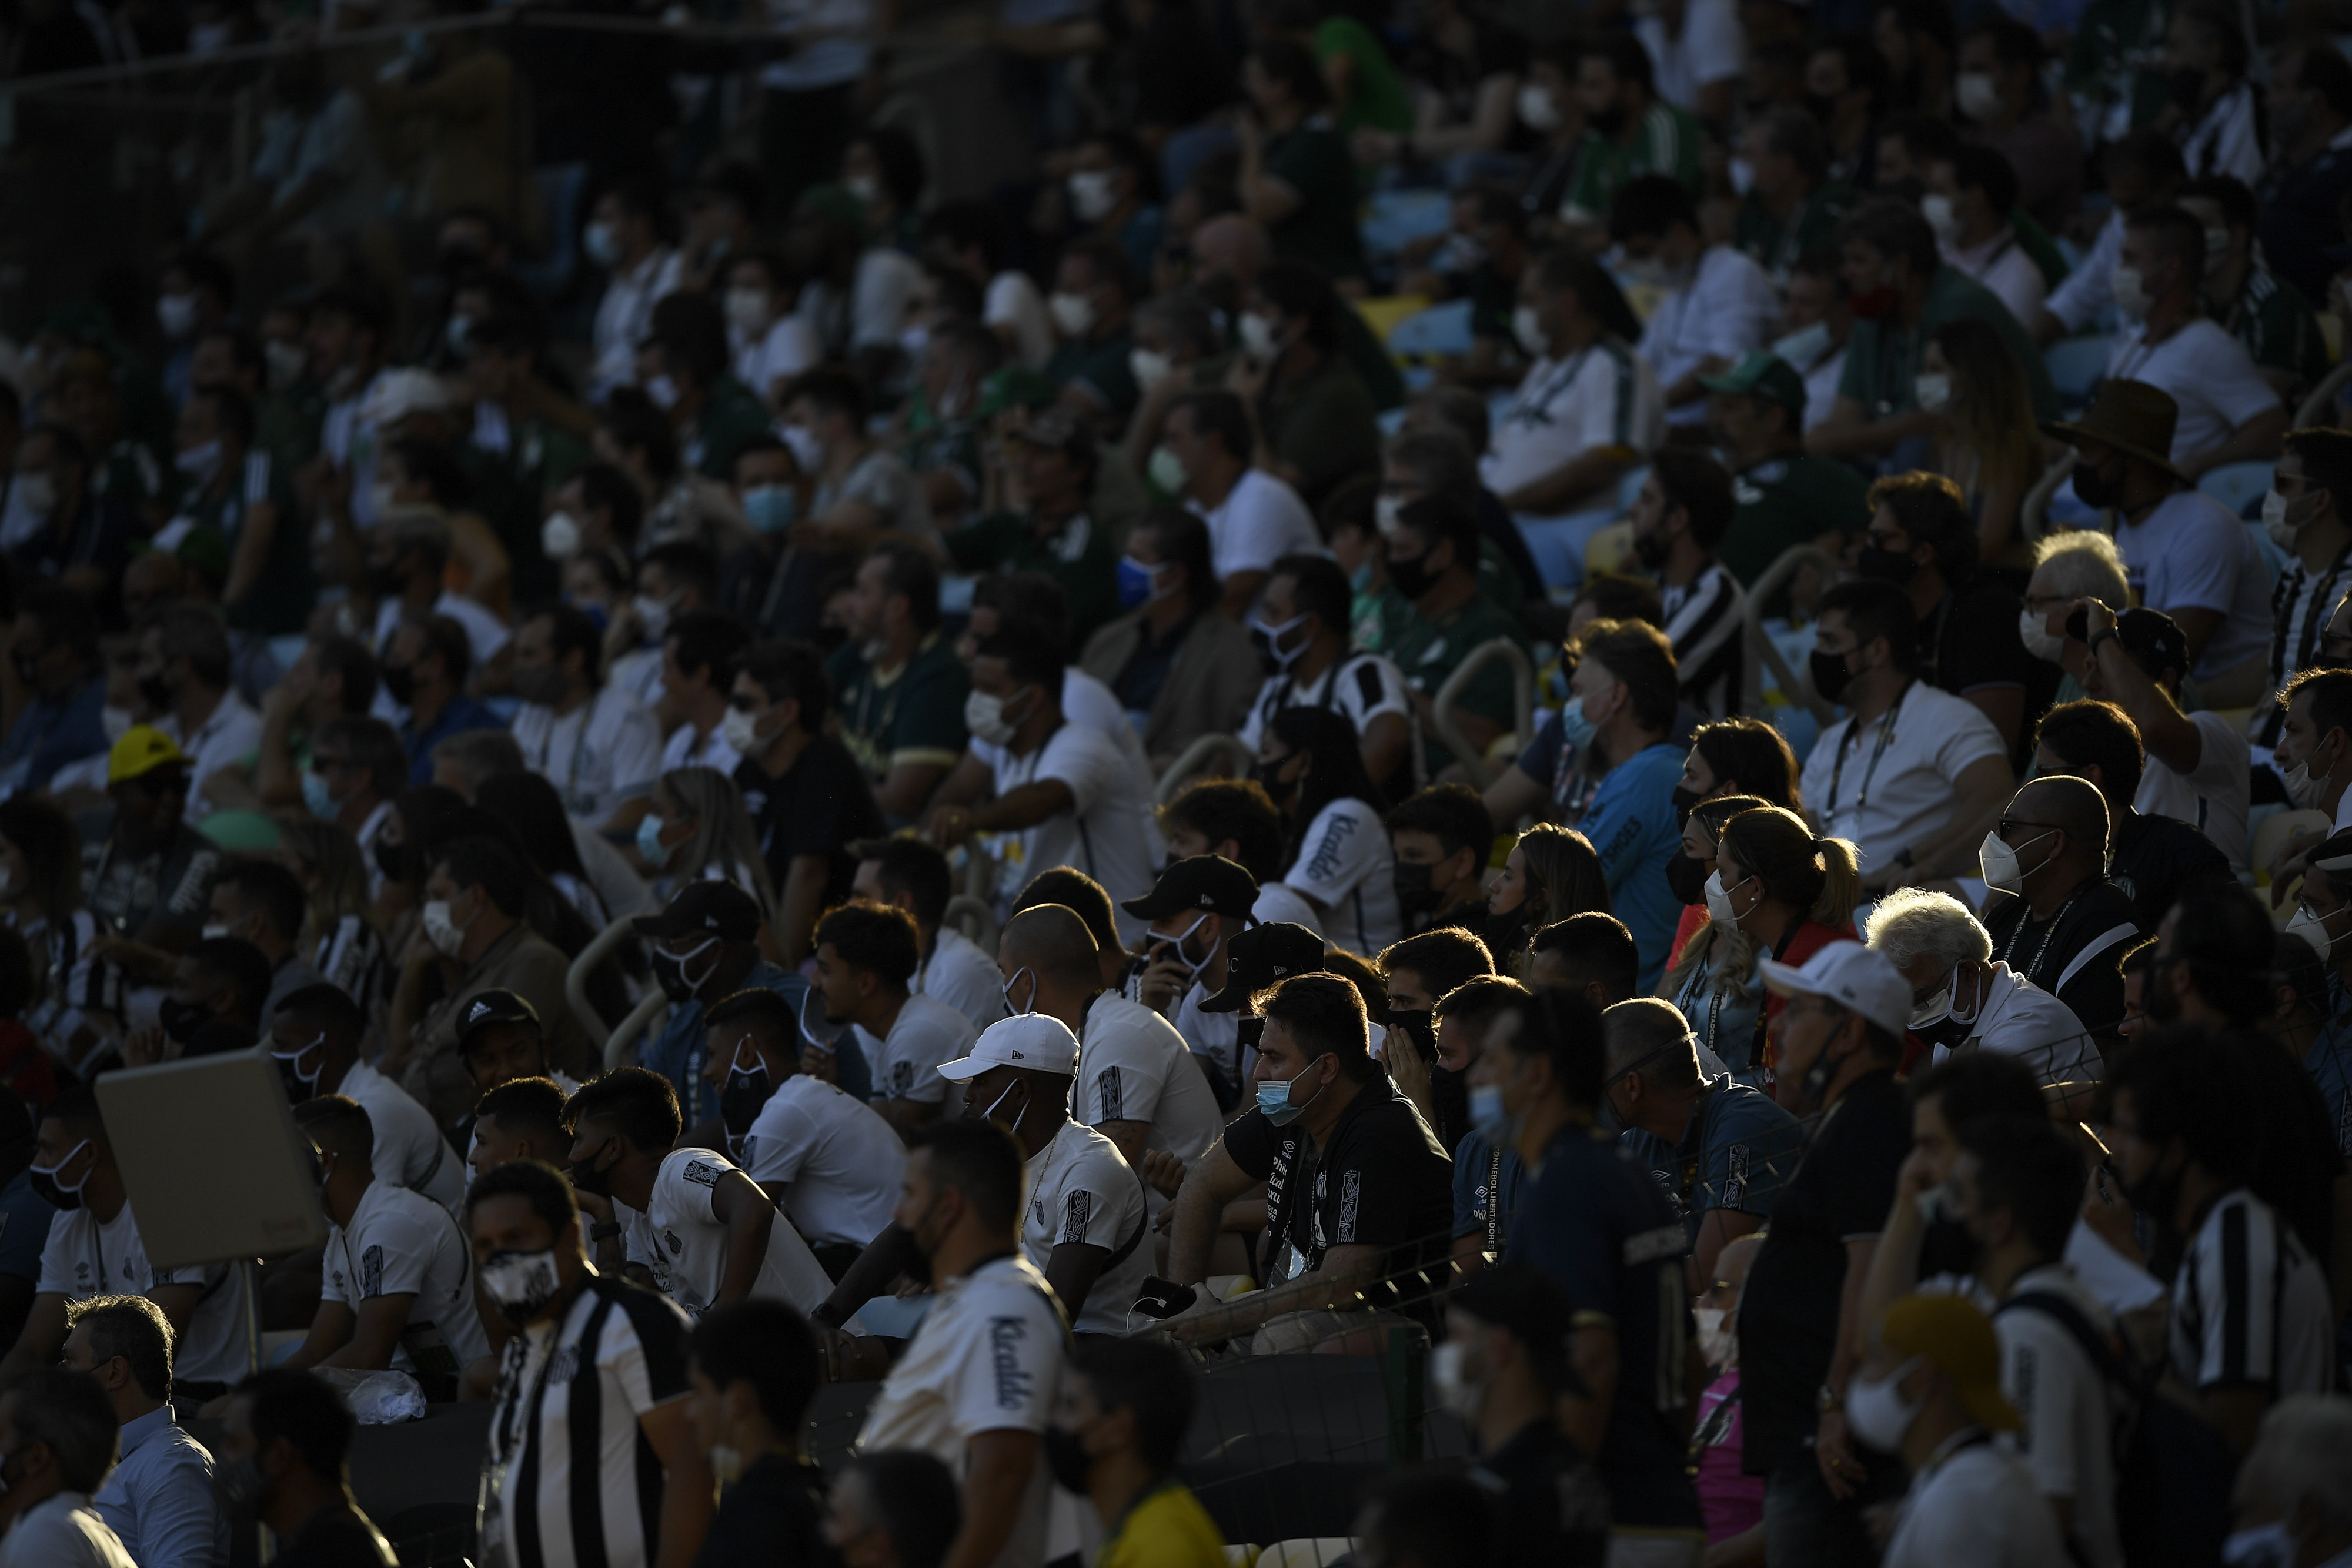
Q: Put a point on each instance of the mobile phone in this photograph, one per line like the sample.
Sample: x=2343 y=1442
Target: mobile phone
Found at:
x=1162 y=1299
x=2078 y=625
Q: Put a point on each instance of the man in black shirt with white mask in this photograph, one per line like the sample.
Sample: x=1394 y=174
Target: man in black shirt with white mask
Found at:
x=2064 y=924
x=2150 y=859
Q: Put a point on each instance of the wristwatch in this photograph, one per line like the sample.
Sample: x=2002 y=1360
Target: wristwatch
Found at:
x=604 y=1231
x=1824 y=1402
x=2102 y=636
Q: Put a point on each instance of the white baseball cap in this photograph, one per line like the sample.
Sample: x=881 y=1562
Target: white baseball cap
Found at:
x=1858 y=979
x=1039 y=1043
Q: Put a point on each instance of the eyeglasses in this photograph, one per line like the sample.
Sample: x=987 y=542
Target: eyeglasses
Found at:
x=2006 y=823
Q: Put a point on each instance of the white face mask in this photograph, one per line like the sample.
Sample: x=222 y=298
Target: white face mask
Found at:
x=1092 y=194
x=806 y=447
x=2304 y=788
x=559 y=536
x=1073 y=314
x=2312 y=928
x=1538 y=112
x=1979 y=95
x=2217 y=250
x=1148 y=365
x=664 y=391
x=864 y=187
x=746 y=309
x=2035 y=634
x=446 y=937
x=1718 y=1341
x=1932 y=392
x=200 y=463
x=382 y=498
x=1936 y=208
x=1719 y=901
x=1166 y=470
x=1999 y=862
x=285 y=361
x=176 y=314
x=653 y=615
x=1259 y=340
x=1528 y=328
x=2132 y=297
x=741 y=731
x=1455 y=1395
x=983 y=714
x=1877 y=1411
x=1936 y=1007
x=1743 y=176
x=1804 y=346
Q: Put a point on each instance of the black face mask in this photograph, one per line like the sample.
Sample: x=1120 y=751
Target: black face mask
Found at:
x=45 y=1185
x=2093 y=489
x=2186 y=87
x=2157 y=1195
x=1412 y=577
x=1830 y=674
x=399 y=683
x=386 y=581
x=1651 y=551
x=670 y=973
x=740 y=1102
x=1066 y=1457
x=182 y=1019
x=1267 y=777
x=155 y=692
x=1821 y=107
x=1416 y=894
x=390 y=859
x=1685 y=799
x=1608 y=121
x=1421 y=1024
x=1887 y=565
x=28 y=670
x=587 y=1178
x=1685 y=879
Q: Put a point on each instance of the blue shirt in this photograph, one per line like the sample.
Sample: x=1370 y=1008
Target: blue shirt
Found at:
x=1592 y=1220
x=1738 y=1153
x=159 y=1499
x=2329 y=1062
x=463 y=713
x=677 y=1053
x=49 y=735
x=1475 y=1170
x=24 y=1216
x=1633 y=826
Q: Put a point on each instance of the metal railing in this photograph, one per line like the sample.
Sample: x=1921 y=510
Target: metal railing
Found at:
x=614 y=1043
x=2033 y=511
x=975 y=918
x=1797 y=688
x=2312 y=410
x=1523 y=703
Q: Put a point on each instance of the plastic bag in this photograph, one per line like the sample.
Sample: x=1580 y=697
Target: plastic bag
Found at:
x=375 y=1399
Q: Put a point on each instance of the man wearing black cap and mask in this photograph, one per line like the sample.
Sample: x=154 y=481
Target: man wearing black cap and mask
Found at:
x=2199 y=765
x=826 y=1157
x=1196 y=907
x=706 y=945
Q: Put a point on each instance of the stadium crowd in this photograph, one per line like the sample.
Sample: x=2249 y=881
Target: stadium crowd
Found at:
x=1402 y=707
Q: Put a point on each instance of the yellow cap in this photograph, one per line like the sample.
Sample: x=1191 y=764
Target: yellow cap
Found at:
x=142 y=750
x=1952 y=1334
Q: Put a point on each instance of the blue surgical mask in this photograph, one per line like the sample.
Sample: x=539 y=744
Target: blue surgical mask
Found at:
x=1576 y=730
x=2271 y=1545
x=318 y=798
x=1360 y=579
x=769 y=508
x=1138 y=583
x=1274 y=1103
x=649 y=845
x=595 y=612
x=1486 y=1113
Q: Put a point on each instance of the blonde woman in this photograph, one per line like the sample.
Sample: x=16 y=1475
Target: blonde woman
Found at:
x=1713 y=978
x=339 y=932
x=697 y=831
x=1989 y=444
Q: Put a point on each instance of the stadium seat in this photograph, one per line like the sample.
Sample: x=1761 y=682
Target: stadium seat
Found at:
x=2076 y=365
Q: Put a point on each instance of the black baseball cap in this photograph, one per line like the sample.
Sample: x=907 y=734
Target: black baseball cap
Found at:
x=1264 y=956
x=2154 y=639
x=492 y=1008
x=1210 y=883
x=714 y=906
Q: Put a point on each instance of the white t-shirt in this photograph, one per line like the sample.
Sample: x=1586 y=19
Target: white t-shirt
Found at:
x=2089 y=289
x=685 y=1244
x=605 y=750
x=2022 y=1019
x=1969 y=1509
x=1260 y=521
x=1013 y=306
x=1727 y=310
x=787 y=348
x=1348 y=867
x=63 y=1531
x=959 y=974
x=904 y=1063
x=2068 y=1440
x=988 y=1358
x=888 y=286
x=2004 y=266
x=410 y=1151
x=84 y=1258
x=2190 y=551
x=1134 y=1067
x=1821 y=389
x=683 y=749
x=2206 y=371
x=1362 y=685
x=1277 y=904
x=625 y=317
x=2250 y=1305
x=1102 y=835
x=1604 y=395
x=2213 y=799
x=839 y=1160
x=486 y=635
x=403 y=1243
x=1082 y=1190
x=2228 y=141
x=1713 y=48
x=1893 y=787
x=1214 y=1038
x=232 y=733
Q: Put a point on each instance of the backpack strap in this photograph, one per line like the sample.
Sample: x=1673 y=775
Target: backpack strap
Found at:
x=2068 y=1316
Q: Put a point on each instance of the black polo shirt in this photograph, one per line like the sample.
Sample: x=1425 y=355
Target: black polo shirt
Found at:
x=821 y=806
x=1550 y=1506
x=1789 y=1309
x=1380 y=1181
x=2153 y=858
x=1969 y=644
x=2051 y=953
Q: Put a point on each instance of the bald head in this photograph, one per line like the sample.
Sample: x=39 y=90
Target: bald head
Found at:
x=2070 y=803
x=1233 y=245
x=1650 y=1037
x=1052 y=943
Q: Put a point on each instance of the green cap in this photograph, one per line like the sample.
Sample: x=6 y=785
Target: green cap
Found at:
x=1762 y=374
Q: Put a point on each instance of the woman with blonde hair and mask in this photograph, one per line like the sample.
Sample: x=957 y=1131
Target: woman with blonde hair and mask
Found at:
x=1551 y=875
x=699 y=831
x=1789 y=893
x=1988 y=441
x=1713 y=978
